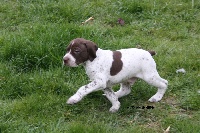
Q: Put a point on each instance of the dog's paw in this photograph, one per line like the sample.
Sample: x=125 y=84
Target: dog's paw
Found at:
x=113 y=110
x=115 y=107
x=73 y=99
x=155 y=98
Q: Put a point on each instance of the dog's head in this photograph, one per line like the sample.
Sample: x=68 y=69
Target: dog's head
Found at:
x=79 y=51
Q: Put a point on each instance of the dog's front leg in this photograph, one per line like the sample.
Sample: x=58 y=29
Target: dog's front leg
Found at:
x=113 y=98
x=86 y=89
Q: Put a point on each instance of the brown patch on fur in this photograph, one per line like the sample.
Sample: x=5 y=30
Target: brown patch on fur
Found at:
x=152 y=52
x=116 y=64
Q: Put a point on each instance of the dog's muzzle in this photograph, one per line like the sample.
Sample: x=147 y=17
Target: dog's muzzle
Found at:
x=69 y=61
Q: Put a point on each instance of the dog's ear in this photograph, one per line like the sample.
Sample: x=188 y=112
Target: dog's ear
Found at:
x=91 y=48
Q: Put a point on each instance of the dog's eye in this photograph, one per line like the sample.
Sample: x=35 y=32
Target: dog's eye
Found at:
x=76 y=51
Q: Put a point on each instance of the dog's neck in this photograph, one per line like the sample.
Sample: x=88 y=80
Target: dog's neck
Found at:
x=88 y=62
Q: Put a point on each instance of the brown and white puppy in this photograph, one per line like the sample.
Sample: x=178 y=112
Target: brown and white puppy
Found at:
x=106 y=68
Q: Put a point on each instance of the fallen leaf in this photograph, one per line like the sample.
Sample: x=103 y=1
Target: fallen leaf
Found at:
x=121 y=21
x=182 y=70
x=89 y=19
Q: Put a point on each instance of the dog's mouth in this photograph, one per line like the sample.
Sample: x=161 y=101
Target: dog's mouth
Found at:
x=70 y=64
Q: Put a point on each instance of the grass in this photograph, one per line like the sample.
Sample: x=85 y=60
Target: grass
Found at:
x=34 y=86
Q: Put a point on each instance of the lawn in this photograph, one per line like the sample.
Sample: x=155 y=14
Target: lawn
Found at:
x=34 y=86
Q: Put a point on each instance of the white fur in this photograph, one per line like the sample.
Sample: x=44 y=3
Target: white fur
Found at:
x=137 y=63
x=71 y=59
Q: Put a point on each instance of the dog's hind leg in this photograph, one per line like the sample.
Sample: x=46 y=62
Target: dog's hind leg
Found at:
x=113 y=99
x=157 y=81
x=125 y=88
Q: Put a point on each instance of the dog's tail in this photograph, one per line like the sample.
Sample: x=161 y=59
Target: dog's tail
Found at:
x=152 y=52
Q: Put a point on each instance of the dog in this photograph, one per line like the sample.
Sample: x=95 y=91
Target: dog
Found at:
x=106 y=68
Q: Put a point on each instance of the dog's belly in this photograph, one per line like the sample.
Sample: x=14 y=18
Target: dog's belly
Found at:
x=120 y=78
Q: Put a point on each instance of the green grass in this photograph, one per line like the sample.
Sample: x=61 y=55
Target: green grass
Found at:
x=34 y=86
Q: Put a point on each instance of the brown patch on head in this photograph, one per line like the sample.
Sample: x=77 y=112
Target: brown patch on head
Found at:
x=82 y=50
x=116 y=64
